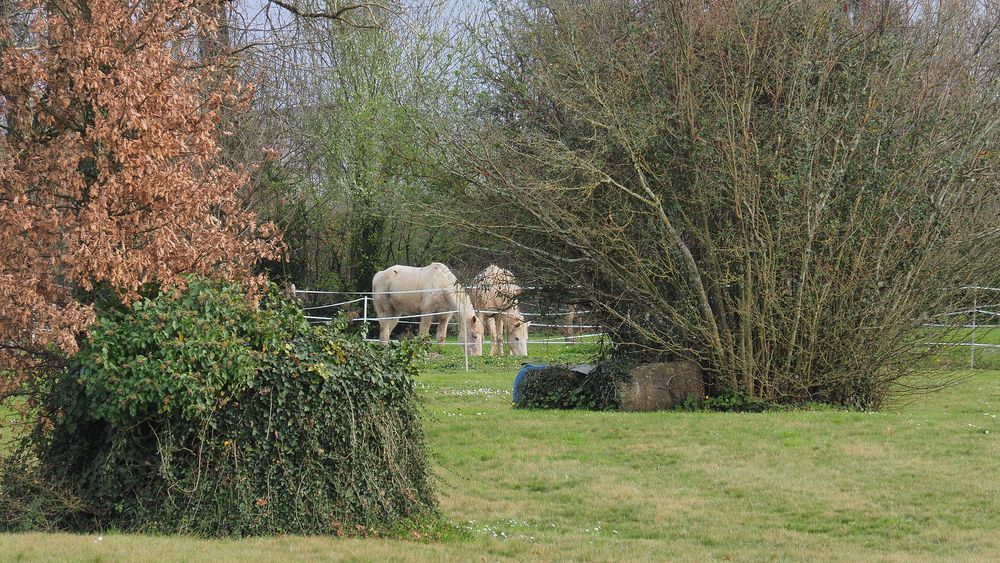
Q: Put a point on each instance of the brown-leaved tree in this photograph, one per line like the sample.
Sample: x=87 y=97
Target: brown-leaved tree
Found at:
x=110 y=174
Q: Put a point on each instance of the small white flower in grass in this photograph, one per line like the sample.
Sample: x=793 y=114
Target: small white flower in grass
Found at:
x=99 y=539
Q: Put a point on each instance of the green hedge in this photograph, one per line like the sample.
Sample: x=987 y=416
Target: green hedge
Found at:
x=196 y=412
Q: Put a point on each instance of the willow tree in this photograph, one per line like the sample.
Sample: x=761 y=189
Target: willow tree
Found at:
x=780 y=191
x=110 y=178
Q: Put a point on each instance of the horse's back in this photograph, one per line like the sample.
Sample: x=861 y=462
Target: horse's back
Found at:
x=495 y=289
x=409 y=289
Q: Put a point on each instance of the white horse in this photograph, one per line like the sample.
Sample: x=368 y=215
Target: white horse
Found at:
x=494 y=294
x=432 y=292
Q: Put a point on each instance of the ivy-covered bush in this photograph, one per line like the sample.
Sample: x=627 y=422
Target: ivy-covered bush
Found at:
x=197 y=412
x=559 y=387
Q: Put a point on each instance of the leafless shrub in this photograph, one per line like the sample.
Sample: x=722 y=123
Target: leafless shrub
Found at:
x=780 y=191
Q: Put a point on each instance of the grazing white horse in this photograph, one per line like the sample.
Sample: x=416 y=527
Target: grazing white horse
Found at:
x=494 y=293
x=431 y=291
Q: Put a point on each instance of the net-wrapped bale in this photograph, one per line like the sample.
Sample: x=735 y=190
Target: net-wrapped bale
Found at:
x=565 y=387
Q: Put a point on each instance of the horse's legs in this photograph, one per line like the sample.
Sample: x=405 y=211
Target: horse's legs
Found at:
x=425 y=325
x=491 y=326
x=568 y=329
x=443 y=321
x=501 y=333
x=385 y=329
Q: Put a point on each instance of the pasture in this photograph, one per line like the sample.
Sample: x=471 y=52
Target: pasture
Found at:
x=917 y=481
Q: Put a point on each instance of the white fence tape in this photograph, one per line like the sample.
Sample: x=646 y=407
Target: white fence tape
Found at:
x=562 y=340
x=488 y=342
x=407 y=319
x=968 y=312
x=544 y=325
x=314 y=292
x=965 y=344
x=940 y=325
x=555 y=314
x=436 y=314
x=334 y=304
x=461 y=288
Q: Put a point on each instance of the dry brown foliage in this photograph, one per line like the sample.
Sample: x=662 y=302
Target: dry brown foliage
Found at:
x=110 y=175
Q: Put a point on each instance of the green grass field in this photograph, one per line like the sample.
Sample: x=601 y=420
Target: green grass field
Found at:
x=918 y=481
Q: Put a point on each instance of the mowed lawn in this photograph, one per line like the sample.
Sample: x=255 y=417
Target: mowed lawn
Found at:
x=918 y=481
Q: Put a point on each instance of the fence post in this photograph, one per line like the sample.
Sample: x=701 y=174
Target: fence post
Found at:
x=365 y=329
x=972 y=347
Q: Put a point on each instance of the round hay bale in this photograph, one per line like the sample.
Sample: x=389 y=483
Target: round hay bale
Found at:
x=661 y=386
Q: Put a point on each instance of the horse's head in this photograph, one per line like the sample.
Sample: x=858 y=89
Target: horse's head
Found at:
x=474 y=335
x=517 y=340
